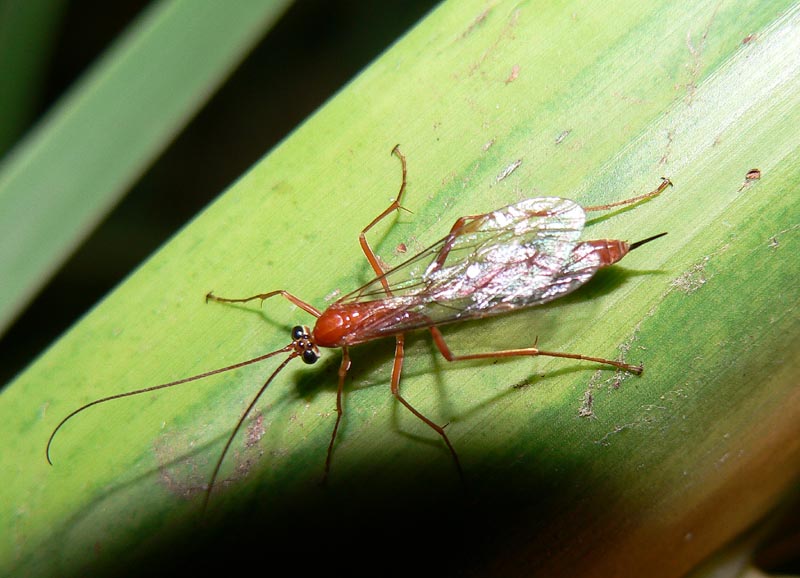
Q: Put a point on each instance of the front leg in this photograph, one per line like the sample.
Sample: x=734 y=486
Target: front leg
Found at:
x=344 y=367
x=307 y=307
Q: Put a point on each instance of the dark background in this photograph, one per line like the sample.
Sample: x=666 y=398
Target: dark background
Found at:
x=315 y=48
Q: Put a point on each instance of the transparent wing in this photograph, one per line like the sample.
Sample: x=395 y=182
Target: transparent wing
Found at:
x=517 y=256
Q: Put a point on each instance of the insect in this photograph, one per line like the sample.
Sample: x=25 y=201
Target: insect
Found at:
x=522 y=255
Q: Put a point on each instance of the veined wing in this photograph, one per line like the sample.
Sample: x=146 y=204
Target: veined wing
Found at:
x=517 y=256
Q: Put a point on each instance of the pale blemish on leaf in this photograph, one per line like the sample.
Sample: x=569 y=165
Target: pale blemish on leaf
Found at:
x=587 y=404
x=692 y=279
x=255 y=431
x=696 y=276
x=512 y=76
x=183 y=470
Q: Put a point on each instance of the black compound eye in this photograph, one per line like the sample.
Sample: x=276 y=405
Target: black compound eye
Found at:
x=298 y=332
x=310 y=356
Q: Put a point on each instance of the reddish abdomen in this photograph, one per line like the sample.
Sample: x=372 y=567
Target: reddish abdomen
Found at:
x=609 y=250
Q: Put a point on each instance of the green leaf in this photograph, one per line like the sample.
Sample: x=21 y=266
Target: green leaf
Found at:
x=58 y=183
x=491 y=104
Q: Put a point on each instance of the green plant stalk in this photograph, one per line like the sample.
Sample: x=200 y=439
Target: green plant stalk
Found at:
x=598 y=103
x=69 y=171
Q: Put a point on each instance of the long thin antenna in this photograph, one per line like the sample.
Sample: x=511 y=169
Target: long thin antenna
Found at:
x=157 y=387
x=239 y=423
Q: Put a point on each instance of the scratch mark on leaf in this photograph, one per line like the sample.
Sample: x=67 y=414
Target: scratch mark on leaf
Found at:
x=479 y=19
x=696 y=53
x=509 y=169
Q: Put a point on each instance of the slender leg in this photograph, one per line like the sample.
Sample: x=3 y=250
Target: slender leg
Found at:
x=400 y=339
x=343 y=369
x=396 y=370
x=394 y=206
x=531 y=351
x=376 y=266
x=307 y=307
x=665 y=182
